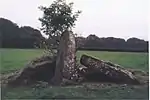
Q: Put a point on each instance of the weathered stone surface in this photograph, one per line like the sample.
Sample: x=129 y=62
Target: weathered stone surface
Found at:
x=106 y=71
x=41 y=69
x=65 y=62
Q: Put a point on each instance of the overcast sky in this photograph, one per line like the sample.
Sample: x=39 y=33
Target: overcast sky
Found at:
x=105 y=18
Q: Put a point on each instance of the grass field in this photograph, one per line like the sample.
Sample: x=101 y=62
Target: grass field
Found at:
x=12 y=59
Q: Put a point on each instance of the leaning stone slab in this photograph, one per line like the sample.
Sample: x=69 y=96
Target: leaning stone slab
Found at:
x=107 y=70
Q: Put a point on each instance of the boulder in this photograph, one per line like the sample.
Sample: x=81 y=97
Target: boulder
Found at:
x=41 y=69
x=65 y=61
x=99 y=70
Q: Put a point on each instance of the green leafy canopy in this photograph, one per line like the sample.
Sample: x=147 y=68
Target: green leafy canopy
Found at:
x=58 y=17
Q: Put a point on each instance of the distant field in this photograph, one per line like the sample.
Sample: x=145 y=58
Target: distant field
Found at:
x=12 y=59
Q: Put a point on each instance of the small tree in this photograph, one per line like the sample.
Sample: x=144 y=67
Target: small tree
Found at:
x=57 y=18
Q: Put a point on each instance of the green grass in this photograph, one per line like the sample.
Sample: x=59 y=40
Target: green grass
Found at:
x=12 y=59
x=76 y=93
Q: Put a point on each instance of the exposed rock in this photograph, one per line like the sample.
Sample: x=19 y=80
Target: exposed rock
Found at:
x=41 y=69
x=106 y=71
x=65 y=62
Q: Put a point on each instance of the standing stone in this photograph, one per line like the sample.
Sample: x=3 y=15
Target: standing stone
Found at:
x=65 y=62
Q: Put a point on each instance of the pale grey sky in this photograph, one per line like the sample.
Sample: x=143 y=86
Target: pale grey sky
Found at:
x=105 y=18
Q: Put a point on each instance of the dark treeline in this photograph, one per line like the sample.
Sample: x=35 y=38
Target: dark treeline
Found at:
x=13 y=36
x=92 y=42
